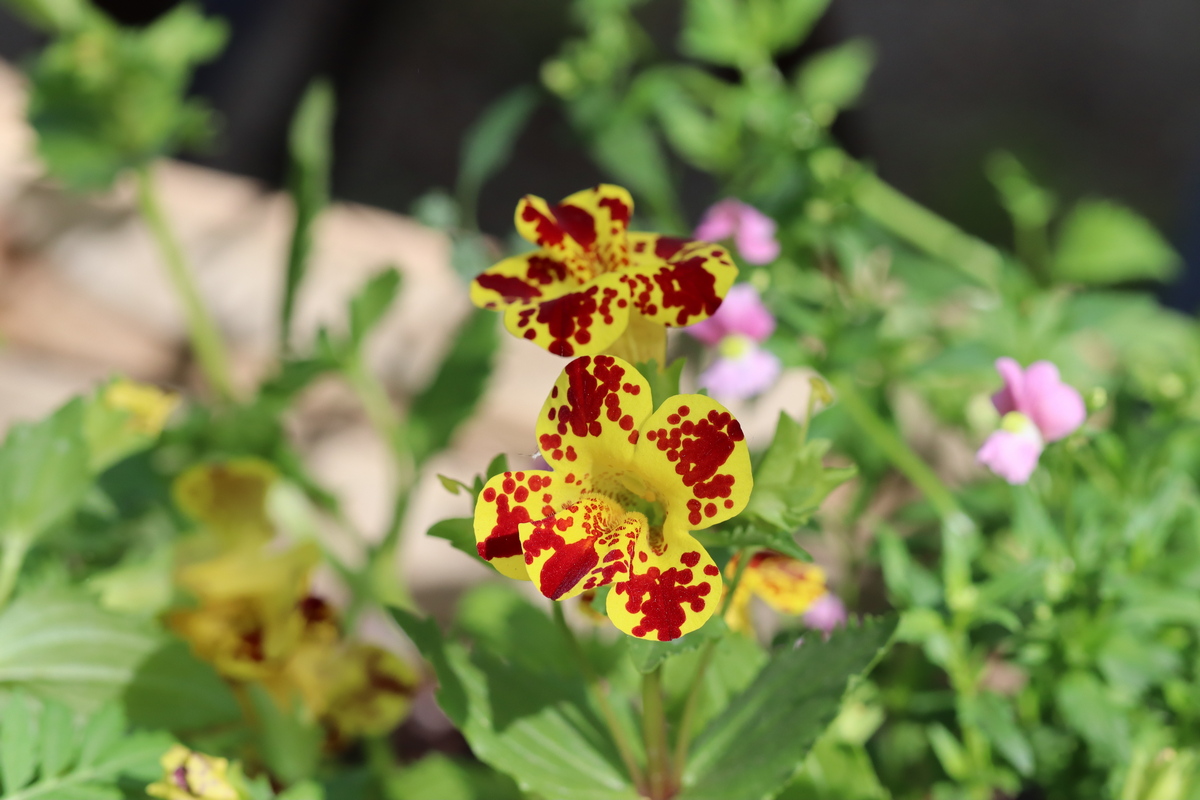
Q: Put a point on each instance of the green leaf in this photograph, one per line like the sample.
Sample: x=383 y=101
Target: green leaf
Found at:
x=460 y=532
x=1030 y=205
x=1104 y=242
x=648 y=655
x=536 y=726
x=174 y=690
x=306 y=790
x=105 y=98
x=755 y=746
x=487 y=145
x=439 y=777
x=791 y=482
x=110 y=757
x=291 y=745
x=66 y=647
x=310 y=140
x=454 y=392
x=57 y=733
x=716 y=31
x=949 y=751
x=909 y=582
x=368 y=307
x=833 y=79
x=1088 y=708
x=994 y=716
x=18 y=753
x=629 y=150
x=43 y=472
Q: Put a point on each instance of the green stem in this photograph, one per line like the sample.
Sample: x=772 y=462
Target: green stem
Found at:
x=692 y=704
x=600 y=697
x=15 y=548
x=897 y=450
x=654 y=729
x=921 y=227
x=206 y=340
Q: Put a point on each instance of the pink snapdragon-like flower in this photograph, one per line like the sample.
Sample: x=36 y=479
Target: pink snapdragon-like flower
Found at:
x=742 y=368
x=753 y=232
x=1038 y=408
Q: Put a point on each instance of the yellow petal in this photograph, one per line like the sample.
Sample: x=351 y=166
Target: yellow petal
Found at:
x=583 y=546
x=693 y=453
x=524 y=280
x=148 y=406
x=583 y=322
x=673 y=588
x=372 y=691
x=677 y=282
x=507 y=501
x=588 y=426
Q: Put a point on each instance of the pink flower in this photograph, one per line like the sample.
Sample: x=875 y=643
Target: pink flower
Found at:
x=826 y=613
x=743 y=368
x=753 y=231
x=1038 y=408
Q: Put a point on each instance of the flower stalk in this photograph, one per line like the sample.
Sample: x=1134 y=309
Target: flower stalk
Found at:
x=202 y=331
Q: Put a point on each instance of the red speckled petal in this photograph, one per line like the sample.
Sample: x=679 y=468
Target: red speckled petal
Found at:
x=583 y=322
x=673 y=587
x=590 y=421
x=597 y=218
x=585 y=545
x=677 y=282
x=507 y=501
x=523 y=280
x=693 y=453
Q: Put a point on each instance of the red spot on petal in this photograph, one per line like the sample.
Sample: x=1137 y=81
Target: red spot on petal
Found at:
x=510 y=288
x=691 y=558
x=489 y=495
x=710 y=510
x=711 y=569
x=522 y=494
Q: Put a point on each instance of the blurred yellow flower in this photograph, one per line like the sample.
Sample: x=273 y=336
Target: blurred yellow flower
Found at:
x=371 y=691
x=786 y=584
x=252 y=609
x=148 y=406
x=229 y=497
x=188 y=775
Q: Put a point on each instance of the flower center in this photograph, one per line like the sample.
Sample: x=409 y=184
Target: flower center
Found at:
x=735 y=346
x=1021 y=425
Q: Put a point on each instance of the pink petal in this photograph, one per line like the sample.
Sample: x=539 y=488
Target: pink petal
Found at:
x=720 y=221
x=1012 y=396
x=740 y=378
x=1055 y=407
x=826 y=613
x=755 y=237
x=1012 y=456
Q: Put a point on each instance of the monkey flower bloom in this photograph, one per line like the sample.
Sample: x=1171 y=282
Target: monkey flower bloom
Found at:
x=786 y=584
x=590 y=278
x=188 y=775
x=628 y=486
x=1038 y=408
x=752 y=231
x=742 y=369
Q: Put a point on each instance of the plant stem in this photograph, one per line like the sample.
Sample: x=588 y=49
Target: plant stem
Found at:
x=15 y=548
x=921 y=227
x=654 y=729
x=206 y=340
x=600 y=697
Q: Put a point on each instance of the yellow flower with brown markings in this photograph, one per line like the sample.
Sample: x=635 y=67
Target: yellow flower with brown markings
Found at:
x=591 y=278
x=188 y=775
x=629 y=484
x=147 y=406
x=788 y=585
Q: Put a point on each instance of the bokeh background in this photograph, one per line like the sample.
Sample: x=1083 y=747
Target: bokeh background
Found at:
x=1095 y=98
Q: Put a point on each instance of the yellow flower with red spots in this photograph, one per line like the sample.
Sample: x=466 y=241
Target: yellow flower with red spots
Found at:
x=786 y=584
x=627 y=486
x=229 y=497
x=591 y=276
